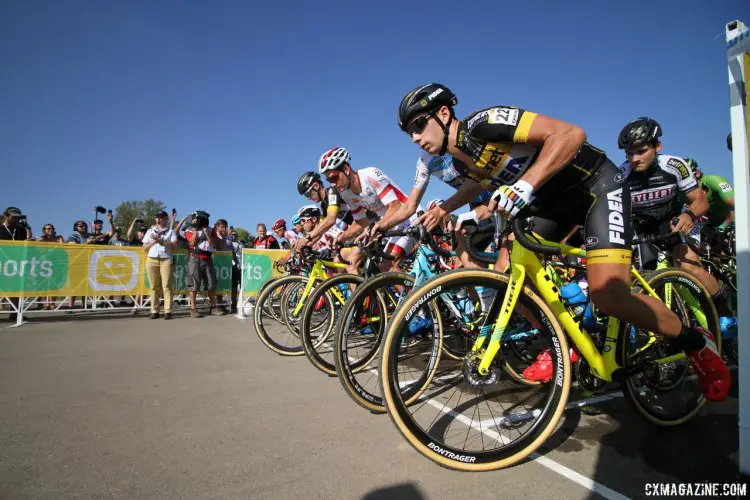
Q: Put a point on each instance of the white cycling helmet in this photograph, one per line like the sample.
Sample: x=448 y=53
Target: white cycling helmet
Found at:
x=433 y=203
x=334 y=159
x=309 y=211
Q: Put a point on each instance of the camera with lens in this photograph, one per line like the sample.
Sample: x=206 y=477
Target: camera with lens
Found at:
x=200 y=219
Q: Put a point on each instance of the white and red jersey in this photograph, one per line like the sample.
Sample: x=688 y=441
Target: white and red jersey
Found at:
x=378 y=191
x=291 y=236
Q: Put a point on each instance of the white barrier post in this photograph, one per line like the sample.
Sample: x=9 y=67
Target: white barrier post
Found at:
x=738 y=54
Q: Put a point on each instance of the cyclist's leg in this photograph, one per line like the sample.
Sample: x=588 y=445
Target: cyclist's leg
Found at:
x=608 y=239
x=354 y=257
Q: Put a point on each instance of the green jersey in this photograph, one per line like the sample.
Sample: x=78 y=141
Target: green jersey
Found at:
x=718 y=192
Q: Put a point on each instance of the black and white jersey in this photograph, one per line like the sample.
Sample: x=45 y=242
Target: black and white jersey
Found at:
x=657 y=194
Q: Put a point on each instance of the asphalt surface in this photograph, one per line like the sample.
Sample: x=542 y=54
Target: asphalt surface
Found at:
x=125 y=407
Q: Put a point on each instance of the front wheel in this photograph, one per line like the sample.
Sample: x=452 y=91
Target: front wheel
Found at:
x=272 y=330
x=322 y=307
x=466 y=420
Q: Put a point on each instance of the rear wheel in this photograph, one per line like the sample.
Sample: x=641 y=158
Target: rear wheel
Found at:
x=666 y=393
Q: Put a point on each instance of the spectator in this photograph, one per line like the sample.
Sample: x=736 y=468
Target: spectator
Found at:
x=264 y=241
x=229 y=243
x=99 y=237
x=80 y=236
x=202 y=243
x=14 y=225
x=158 y=243
x=49 y=235
x=117 y=240
x=80 y=233
x=14 y=228
x=137 y=225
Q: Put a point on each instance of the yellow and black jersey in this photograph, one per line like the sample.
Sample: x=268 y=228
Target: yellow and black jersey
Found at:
x=495 y=138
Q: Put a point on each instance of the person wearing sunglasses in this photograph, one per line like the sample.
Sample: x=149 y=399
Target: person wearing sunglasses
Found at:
x=530 y=158
x=81 y=234
x=362 y=190
x=49 y=235
x=330 y=203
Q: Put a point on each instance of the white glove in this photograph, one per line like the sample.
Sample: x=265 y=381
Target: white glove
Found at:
x=467 y=219
x=511 y=199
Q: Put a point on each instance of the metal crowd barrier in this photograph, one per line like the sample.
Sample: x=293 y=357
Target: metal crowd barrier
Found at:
x=101 y=278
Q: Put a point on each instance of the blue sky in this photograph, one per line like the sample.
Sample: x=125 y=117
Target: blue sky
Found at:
x=220 y=106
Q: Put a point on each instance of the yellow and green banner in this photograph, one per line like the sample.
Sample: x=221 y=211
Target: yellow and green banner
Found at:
x=31 y=269
x=257 y=268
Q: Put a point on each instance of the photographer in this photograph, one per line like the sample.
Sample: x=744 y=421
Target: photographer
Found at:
x=202 y=244
x=137 y=239
x=14 y=226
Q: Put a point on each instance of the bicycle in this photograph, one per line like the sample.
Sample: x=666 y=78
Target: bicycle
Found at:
x=292 y=292
x=648 y=367
x=357 y=343
x=337 y=291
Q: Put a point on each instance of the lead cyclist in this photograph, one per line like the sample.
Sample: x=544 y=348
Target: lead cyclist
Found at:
x=529 y=158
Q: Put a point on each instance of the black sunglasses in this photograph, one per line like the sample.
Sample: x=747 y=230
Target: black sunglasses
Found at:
x=418 y=125
x=49 y=228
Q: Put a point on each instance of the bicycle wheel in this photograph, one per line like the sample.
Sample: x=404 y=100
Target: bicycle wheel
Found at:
x=274 y=332
x=318 y=345
x=468 y=421
x=666 y=393
x=359 y=332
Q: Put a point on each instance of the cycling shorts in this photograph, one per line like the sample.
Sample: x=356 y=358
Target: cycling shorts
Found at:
x=601 y=204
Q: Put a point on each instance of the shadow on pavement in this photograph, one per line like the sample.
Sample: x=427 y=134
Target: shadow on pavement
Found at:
x=406 y=491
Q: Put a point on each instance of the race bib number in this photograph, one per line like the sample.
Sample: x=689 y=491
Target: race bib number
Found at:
x=503 y=116
x=725 y=187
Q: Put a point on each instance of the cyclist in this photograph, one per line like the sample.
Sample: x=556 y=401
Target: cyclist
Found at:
x=309 y=217
x=286 y=238
x=442 y=168
x=329 y=200
x=530 y=158
x=656 y=181
x=367 y=189
x=720 y=196
x=296 y=227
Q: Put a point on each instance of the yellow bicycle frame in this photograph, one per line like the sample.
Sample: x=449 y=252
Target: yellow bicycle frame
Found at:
x=318 y=272
x=525 y=262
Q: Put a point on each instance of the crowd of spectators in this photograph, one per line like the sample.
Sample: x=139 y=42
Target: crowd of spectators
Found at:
x=159 y=238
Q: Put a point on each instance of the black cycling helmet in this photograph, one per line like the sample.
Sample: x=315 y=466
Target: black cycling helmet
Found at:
x=643 y=130
x=423 y=100
x=729 y=141
x=306 y=181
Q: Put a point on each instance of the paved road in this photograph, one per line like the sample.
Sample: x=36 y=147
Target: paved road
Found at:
x=122 y=407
